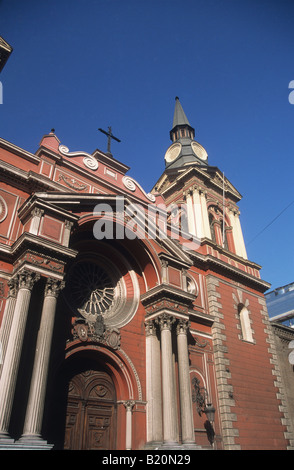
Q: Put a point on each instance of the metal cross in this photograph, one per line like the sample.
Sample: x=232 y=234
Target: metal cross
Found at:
x=109 y=136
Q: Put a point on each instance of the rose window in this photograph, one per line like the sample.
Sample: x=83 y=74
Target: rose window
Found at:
x=96 y=288
x=92 y=290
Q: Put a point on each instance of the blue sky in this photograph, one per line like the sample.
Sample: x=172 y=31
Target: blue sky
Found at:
x=81 y=65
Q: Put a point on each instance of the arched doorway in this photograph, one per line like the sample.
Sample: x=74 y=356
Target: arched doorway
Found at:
x=91 y=408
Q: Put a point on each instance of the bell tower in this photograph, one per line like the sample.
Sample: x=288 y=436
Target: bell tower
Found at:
x=210 y=199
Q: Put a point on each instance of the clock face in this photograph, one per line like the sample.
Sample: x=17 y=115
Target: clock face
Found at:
x=199 y=150
x=173 y=152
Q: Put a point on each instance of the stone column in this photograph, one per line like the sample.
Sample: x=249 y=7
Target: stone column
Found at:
x=129 y=411
x=198 y=214
x=205 y=218
x=7 y=319
x=168 y=389
x=184 y=384
x=35 y=407
x=26 y=280
x=153 y=384
x=190 y=213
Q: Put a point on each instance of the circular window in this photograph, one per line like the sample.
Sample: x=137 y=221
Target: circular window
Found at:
x=97 y=288
x=93 y=290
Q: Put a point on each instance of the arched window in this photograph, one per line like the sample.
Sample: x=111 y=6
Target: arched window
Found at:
x=212 y=230
x=220 y=231
x=216 y=226
x=245 y=323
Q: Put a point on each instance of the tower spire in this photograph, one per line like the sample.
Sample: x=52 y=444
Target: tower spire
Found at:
x=180 y=117
x=184 y=149
x=181 y=126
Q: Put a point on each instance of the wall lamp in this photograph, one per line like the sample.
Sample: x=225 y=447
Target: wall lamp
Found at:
x=199 y=397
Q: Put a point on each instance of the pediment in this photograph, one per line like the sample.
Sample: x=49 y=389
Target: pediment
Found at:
x=170 y=181
x=85 y=207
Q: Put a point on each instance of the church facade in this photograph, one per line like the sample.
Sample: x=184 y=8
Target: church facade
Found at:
x=131 y=320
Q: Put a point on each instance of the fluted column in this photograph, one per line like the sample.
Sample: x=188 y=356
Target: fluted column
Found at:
x=184 y=384
x=26 y=280
x=205 y=219
x=190 y=213
x=35 y=408
x=153 y=384
x=7 y=319
x=168 y=390
x=198 y=214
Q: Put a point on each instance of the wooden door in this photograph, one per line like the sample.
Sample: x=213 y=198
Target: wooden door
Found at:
x=91 y=412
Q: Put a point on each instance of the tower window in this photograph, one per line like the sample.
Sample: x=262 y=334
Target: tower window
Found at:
x=245 y=323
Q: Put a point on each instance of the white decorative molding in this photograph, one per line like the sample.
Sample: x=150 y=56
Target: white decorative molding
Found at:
x=131 y=184
x=72 y=183
x=3 y=209
x=89 y=161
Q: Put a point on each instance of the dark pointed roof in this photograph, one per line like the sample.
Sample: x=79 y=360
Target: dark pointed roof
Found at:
x=184 y=149
x=180 y=117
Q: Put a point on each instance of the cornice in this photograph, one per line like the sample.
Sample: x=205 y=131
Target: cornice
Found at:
x=19 y=151
x=230 y=254
x=175 y=262
x=34 y=201
x=28 y=178
x=89 y=199
x=41 y=245
x=167 y=291
x=282 y=331
x=210 y=262
x=205 y=173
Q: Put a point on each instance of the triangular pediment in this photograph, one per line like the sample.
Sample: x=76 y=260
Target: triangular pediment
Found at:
x=209 y=176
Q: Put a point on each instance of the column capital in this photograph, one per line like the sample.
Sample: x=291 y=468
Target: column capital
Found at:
x=150 y=327
x=53 y=287
x=182 y=326
x=13 y=285
x=37 y=212
x=129 y=404
x=27 y=279
x=165 y=321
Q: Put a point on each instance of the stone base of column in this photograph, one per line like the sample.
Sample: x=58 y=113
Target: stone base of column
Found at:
x=153 y=445
x=32 y=442
x=24 y=443
x=172 y=446
x=192 y=446
x=5 y=441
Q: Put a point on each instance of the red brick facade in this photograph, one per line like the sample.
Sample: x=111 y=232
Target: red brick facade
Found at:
x=100 y=387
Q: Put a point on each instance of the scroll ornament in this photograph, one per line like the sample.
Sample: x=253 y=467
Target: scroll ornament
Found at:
x=89 y=161
x=131 y=184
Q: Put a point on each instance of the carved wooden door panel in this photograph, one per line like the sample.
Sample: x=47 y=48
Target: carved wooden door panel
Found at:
x=91 y=412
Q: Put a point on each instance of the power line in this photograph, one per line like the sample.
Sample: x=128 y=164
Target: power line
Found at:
x=270 y=223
